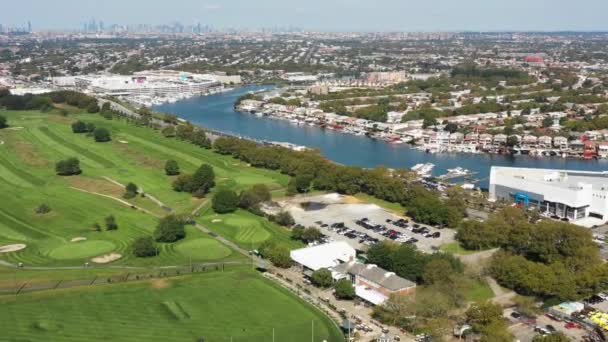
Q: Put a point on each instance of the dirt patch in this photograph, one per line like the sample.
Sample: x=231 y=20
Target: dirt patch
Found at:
x=1 y=142
x=27 y=151
x=78 y=239
x=107 y=258
x=96 y=185
x=15 y=128
x=12 y=248
x=160 y=283
x=351 y=200
x=140 y=158
x=59 y=119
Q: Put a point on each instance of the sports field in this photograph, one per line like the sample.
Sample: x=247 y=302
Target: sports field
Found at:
x=236 y=305
x=65 y=236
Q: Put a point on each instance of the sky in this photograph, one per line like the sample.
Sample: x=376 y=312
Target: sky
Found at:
x=323 y=15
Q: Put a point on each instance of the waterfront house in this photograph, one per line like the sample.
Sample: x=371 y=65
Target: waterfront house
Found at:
x=560 y=142
x=471 y=138
x=456 y=138
x=602 y=149
x=545 y=141
x=529 y=140
x=485 y=139
x=500 y=139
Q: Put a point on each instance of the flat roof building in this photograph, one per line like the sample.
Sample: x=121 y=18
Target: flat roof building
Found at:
x=570 y=194
x=323 y=256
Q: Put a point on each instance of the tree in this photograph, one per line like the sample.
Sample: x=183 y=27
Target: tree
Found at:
x=130 y=191
x=170 y=229
x=202 y=180
x=68 y=167
x=171 y=168
x=43 y=209
x=92 y=108
x=183 y=183
x=144 y=247
x=225 y=201
x=322 y=278
x=344 y=289
x=302 y=183
x=554 y=337
x=311 y=234
x=254 y=196
x=111 y=223
x=101 y=134
x=3 y=122
x=483 y=314
x=277 y=253
x=547 y=122
x=284 y=218
x=79 y=127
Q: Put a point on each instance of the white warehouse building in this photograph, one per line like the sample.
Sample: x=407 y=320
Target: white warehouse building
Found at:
x=575 y=195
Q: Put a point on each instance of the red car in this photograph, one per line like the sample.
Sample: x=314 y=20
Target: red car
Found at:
x=573 y=325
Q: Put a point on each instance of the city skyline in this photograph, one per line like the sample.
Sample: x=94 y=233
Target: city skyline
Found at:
x=334 y=15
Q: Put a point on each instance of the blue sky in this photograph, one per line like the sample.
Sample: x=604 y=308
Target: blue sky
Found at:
x=334 y=15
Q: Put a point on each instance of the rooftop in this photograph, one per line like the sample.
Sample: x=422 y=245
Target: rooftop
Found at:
x=375 y=274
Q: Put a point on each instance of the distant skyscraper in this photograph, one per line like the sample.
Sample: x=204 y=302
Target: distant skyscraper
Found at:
x=29 y=26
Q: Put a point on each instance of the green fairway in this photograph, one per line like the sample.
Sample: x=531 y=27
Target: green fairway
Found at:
x=203 y=248
x=135 y=154
x=82 y=249
x=246 y=229
x=236 y=305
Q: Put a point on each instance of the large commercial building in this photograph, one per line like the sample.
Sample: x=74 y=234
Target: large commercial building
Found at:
x=574 y=195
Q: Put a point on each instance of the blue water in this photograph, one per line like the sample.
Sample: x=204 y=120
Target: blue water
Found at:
x=217 y=112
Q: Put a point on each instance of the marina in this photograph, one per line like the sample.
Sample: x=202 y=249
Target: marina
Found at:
x=217 y=112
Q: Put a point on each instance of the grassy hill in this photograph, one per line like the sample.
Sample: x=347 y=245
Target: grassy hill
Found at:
x=35 y=141
x=218 y=306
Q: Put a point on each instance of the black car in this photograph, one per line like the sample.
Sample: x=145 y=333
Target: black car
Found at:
x=550 y=328
x=515 y=314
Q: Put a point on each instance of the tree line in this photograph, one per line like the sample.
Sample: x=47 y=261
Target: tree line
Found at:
x=546 y=259
x=310 y=170
x=44 y=102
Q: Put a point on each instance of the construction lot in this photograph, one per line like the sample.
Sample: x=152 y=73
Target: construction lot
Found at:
x=340 y=218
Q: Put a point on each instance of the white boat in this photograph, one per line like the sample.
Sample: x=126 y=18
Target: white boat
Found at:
x=423 y=170
x=458 y=171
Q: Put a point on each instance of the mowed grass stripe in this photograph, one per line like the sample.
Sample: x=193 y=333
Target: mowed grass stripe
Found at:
x=20 y=172
x=87 y=153
x=61 y=150
x=30 y=231
x=165 y=150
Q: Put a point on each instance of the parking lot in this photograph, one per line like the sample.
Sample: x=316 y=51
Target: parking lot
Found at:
x=525 y=329
x=362 y=224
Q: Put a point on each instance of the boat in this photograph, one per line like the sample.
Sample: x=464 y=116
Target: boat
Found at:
x=458 y=171
x=423 y=170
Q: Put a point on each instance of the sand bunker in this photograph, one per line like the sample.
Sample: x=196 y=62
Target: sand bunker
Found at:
x=77 y=239
x=12 y=248
x=216 y=220
x=123 y=141
x=104 y=259
x=15 y=128
x=1 y=142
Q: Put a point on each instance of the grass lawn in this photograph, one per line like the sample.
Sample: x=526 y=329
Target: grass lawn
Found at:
x=35 y=141
x=479 y=291
x=246 y=229
x=456 y=248
x=238 y=304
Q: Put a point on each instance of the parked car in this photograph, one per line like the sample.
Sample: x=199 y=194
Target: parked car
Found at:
x=515 y=314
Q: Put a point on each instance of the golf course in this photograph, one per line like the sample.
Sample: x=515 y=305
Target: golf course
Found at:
x=236 y=305
x=56 y=228
x=65 y=236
